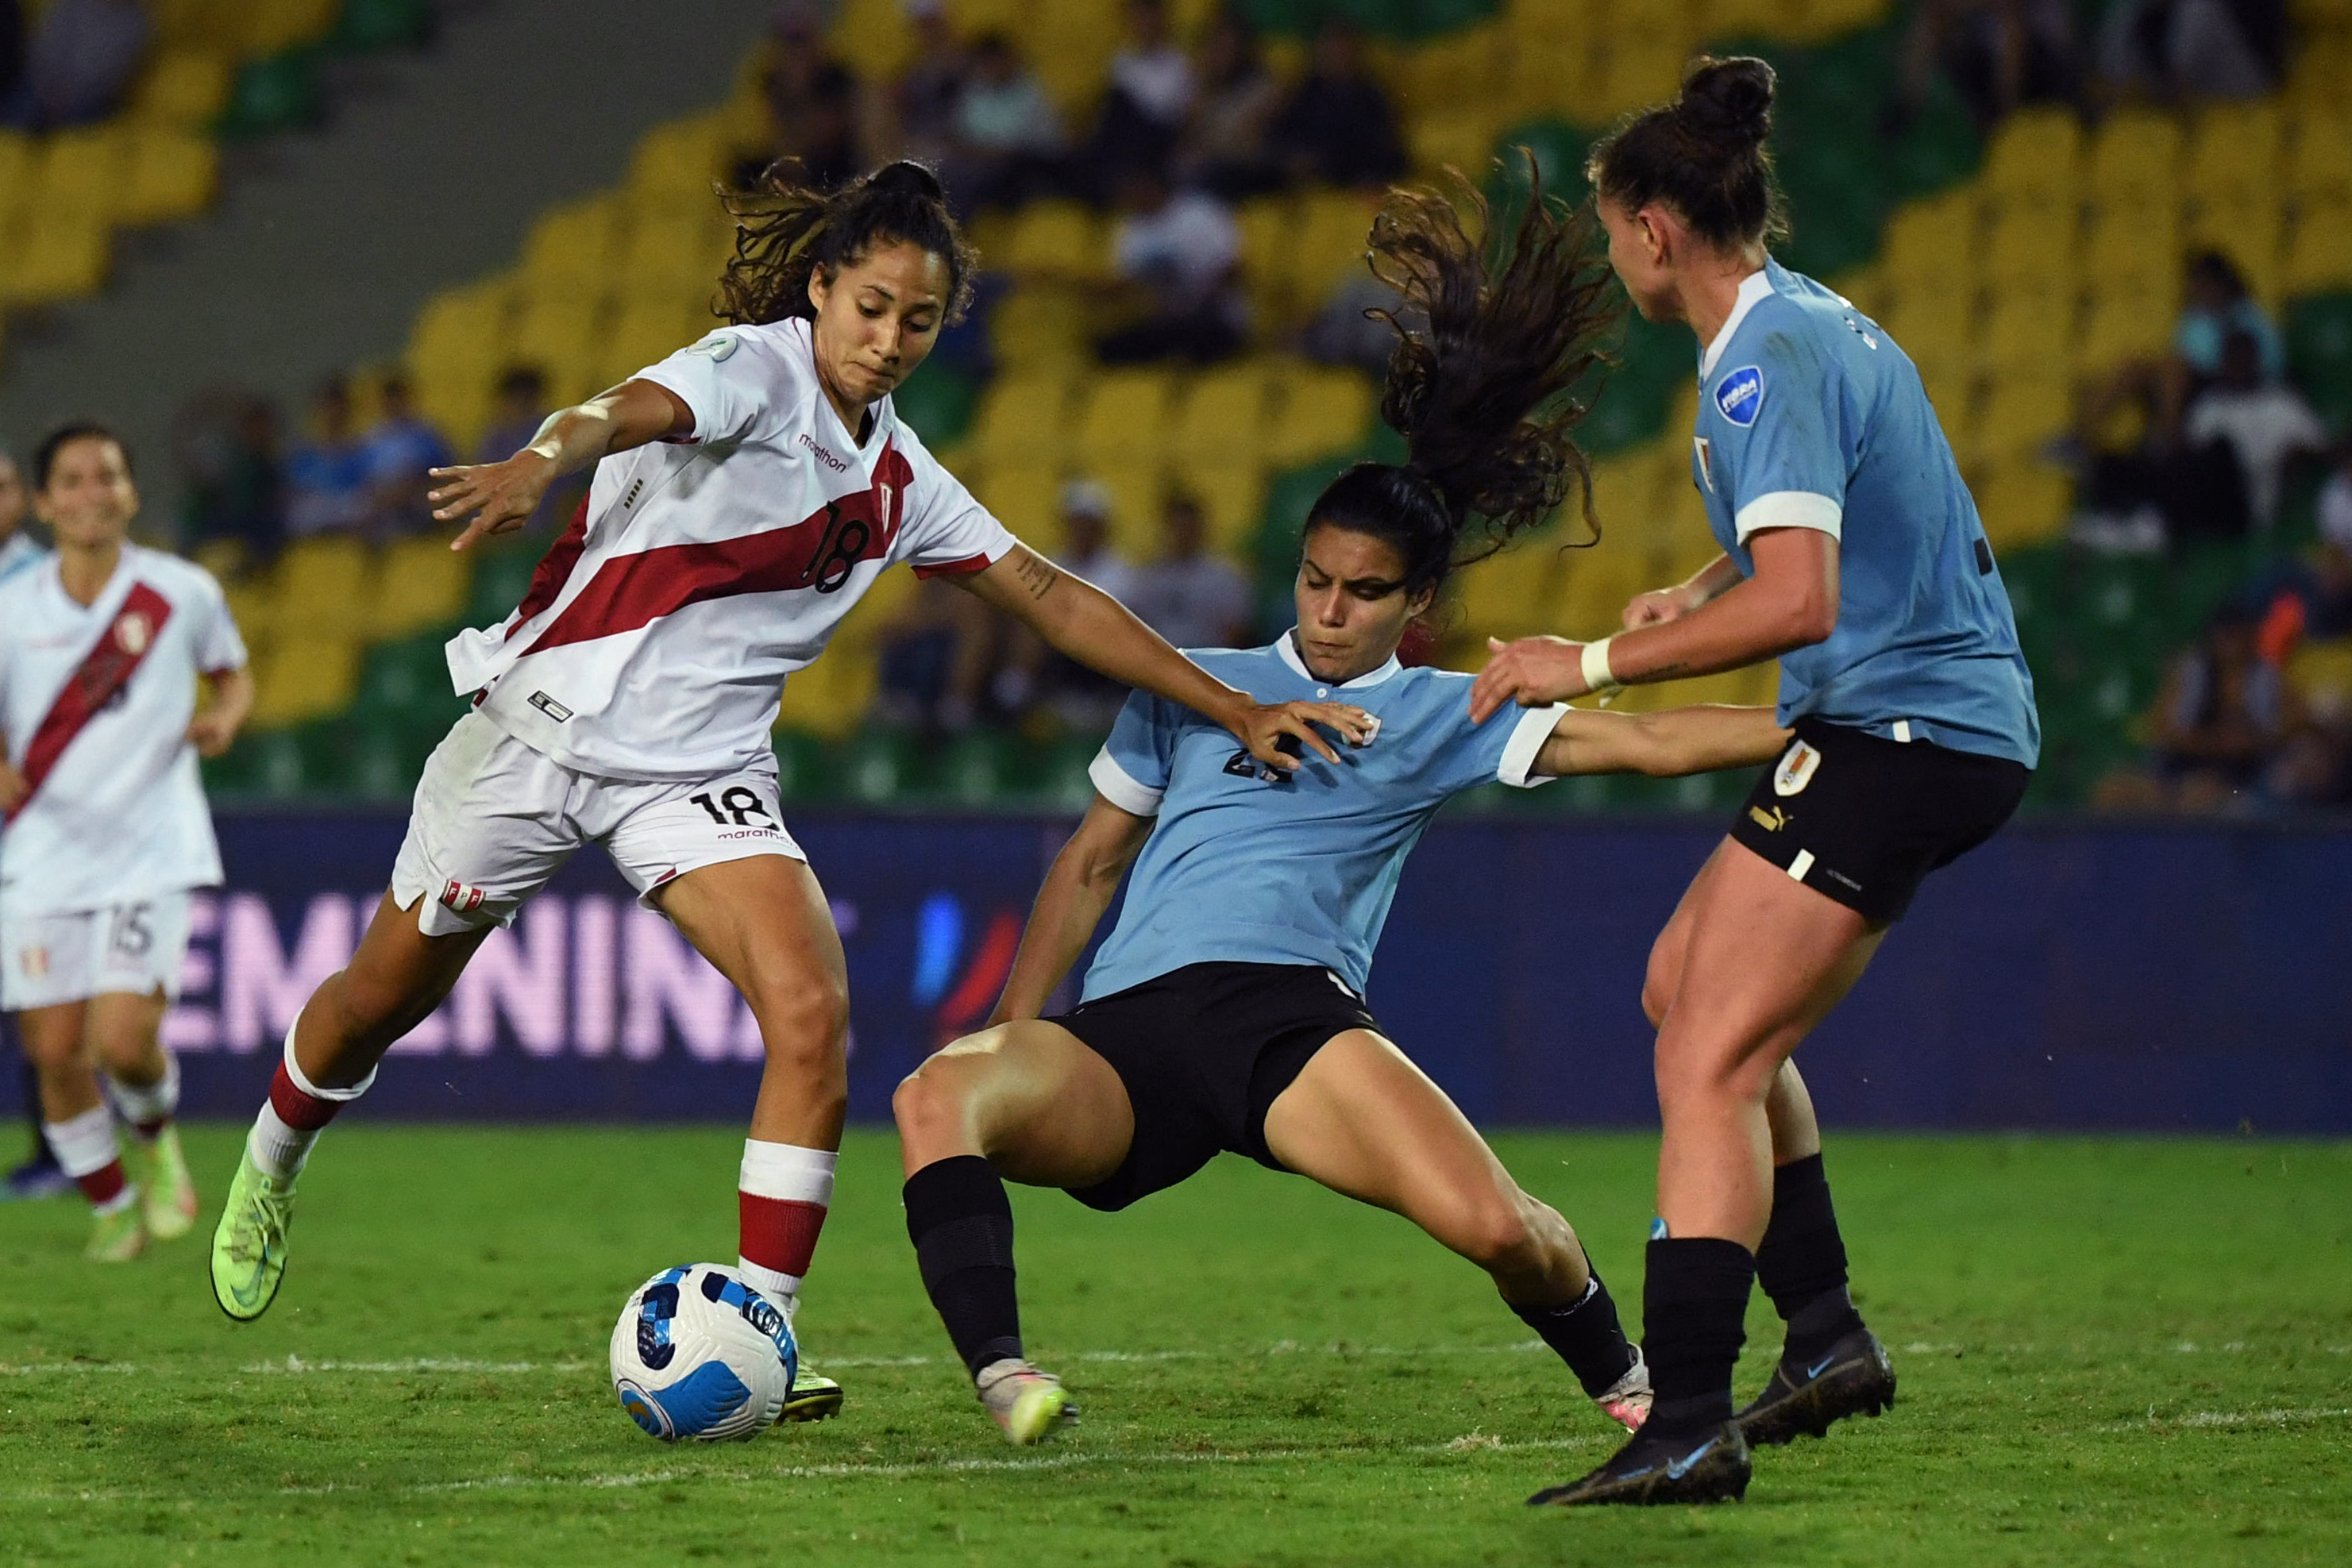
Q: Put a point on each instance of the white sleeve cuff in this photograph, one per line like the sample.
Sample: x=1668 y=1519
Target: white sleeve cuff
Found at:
x=1519 y=753
x=1118 y=787
x=1789 y=509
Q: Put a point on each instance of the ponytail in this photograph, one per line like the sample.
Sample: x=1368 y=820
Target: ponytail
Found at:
x=786 y=232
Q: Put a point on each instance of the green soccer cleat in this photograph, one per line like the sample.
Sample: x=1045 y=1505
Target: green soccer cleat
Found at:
x=249 y=1246
x=167 y=1191
x=1029 y=1405
x=119 y=1236
x=813 y=1398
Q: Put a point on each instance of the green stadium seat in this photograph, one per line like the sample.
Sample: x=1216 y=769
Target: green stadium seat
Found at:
x=981 y=768
x=279 y=93
x=382 y=23
x=2319 y=347
x=804 y=767
x=1060 y=772
x=938 y=401
x=500 y=577
x=881 y=767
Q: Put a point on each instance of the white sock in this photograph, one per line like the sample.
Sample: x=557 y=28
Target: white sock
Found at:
x=146 y=1105
x=84 y=1144
x=278 y=1146
x=784 y=1192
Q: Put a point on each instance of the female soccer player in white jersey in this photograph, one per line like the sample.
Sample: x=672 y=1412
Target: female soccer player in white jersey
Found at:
x=1226 y=1012
x=101 y=643
x=750 y=489
x=1852 y=552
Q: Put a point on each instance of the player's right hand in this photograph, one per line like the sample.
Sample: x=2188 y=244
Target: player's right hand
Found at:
x=1657 y=607
x=500 y=496
x=1266 y=723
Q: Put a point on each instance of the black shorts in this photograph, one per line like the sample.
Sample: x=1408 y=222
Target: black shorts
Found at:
x=1204 y=1050
x=1863 y=819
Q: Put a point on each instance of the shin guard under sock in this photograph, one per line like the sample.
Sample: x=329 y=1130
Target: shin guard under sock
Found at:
x=1586 y=1335
x=961 y=1222
x=1693 y=1311
x=1802 y=1262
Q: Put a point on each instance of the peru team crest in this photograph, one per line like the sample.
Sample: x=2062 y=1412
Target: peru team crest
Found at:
x=132 y=632
x=1796 y=768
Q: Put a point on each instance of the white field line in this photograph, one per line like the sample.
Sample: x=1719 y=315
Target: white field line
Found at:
x=1468 y=1442
x=2231 y=1419
x=295 y=1363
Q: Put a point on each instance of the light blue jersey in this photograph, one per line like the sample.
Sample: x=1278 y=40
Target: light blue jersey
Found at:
x=1249 y=866
x=1810 y=417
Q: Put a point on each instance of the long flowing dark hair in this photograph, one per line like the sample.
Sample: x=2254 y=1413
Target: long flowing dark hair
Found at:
x=1496 y=336
x=787 y=232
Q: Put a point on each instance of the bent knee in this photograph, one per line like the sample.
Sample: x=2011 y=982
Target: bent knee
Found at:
x=1500 y=1236
x=933 y=1099
x=1663 y=978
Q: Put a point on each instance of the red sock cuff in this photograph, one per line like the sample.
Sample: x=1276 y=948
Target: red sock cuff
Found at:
x=302 y=1112
x=103 y=1185
x=779 y=1233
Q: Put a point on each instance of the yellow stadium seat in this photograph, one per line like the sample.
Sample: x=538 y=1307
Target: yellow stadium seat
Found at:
x=60 y=256
x=1930 y=248
x=675 y=163
x=1222 y=416
x=183 y=87
x=323 y=585
x=2320 y=162
x=2020 y=414
x=2122 y=326
x=83 y=170
x=253 y=605
x=2130 y=249
x=2023 y=503
x=1330 y=245
x=2319 y=254
x=648 y=329
x=1027 y=498
x=272 y=25
x=1023 y=419
x=2033 y=158
x=1267 y=225
x=1071 y=43
x=1231 y=493
x=1930 y=326
x=2234 y=155
x=2252 y=234
x=304 y=677
x=1324 y=410
x=172 y=173
x=1040 y=325
x=2027 y=334
x=2029 y=250
x=559 y=333
x=2135 y=159
x=1057 y=239
x=1123 y=417
x=830 y=696
x=1138 y=494
x=421 y=584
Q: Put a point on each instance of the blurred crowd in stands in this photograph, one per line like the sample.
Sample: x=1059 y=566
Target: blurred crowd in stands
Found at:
x=73 y=65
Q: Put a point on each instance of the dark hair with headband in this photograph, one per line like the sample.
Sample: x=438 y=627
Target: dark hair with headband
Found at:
x=1503 y=325
x=786 y=232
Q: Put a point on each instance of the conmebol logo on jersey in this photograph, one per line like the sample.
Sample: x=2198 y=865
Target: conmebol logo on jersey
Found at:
x=1739 y=394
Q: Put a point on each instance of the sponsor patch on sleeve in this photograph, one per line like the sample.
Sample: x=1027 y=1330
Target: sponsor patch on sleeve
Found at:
x=1739 y=394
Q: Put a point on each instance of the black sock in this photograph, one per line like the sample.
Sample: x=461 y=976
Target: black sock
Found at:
x=1801 y=1263
x=961 y=1225
x=1587 y=1335
x=1693 y=1311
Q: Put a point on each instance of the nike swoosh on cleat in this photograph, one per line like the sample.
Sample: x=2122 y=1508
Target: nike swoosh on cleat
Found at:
x=1819 y=1367
x=1682 y=1467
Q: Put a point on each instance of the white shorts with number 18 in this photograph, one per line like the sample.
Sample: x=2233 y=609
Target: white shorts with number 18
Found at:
x=133 y=949
x=494 y=819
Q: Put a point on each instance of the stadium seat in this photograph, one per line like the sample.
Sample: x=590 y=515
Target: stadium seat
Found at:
x=1024 y=419
x=1123 y=417
x=421 y=585
x=1324 y=408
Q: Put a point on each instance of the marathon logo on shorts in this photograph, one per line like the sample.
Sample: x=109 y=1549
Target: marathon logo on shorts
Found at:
x=1796 y=770
x=461 y=898
x=1739 y=396
x=35 y=962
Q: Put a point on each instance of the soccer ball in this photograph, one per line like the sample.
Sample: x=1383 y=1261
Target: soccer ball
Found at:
x=699 y=1353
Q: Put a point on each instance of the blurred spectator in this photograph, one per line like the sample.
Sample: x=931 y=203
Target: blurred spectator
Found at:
x=1345 y=332
x=1008 y=139
x=2335 y=508
x=924 y=99
x=1338 y=127
x=951 y=661
x=397 y=451
x=2221 y=719
x=1144 y=109
x=813 y=103
x=1997 y=54
x=521 y=410
x=2183 y=49
x=2266 y=423
x=1192 y=598
x=327 y=488
x=1222 y=148
x=17 y=545
x=228 y=448
x=1180 y=254
x=2218 y=303
x=81 y=59
x=1083 y=698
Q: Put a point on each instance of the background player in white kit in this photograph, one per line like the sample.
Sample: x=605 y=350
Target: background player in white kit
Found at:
x=751 y=489
x=101 y=646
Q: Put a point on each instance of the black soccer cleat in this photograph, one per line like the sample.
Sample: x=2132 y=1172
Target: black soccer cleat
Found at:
x=1658 y=1468
x=1852 y=1377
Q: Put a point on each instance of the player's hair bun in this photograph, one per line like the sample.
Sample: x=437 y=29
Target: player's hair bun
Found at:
x=908 y=177
x=1727 y=103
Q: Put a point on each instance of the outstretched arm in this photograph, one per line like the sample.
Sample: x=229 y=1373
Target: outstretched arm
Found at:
x=1674 y=741
x=1070 y=905
x=1791 y=602
x=213 y=730
x=502 y=496
x=1075 y=618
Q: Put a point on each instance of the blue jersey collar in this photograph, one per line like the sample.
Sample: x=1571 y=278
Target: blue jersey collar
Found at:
x=1285 y=646
x=1753 y=288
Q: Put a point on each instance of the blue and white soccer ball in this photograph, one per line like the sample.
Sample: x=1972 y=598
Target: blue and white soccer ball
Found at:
x=699 y=1353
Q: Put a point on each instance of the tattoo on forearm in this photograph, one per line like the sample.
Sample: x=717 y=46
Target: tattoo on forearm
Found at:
x=1666 y=672
x=1037 y=574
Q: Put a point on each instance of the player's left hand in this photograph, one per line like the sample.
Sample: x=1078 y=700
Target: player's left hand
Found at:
x=210 y=734
x=1534 y=672
x=500 y=496
x=1263 y=725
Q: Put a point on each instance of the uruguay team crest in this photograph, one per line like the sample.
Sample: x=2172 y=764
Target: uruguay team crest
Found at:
x=1739 y=394
x=132 y=632
x=1795 y=770
x=1700 y=451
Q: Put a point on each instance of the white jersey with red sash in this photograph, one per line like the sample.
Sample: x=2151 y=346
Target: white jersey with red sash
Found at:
x=656 y=636
x=95 y=702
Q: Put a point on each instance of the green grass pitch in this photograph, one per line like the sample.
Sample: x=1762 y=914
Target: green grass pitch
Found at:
x=2111 y=1351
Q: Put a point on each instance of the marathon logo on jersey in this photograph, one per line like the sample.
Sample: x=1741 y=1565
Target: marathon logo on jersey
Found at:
x=838 y=465
x=461 y=899
x=1739 y=396
x=1796 y=770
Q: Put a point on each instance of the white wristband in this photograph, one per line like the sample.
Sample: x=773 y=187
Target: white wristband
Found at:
x=1597 y=675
